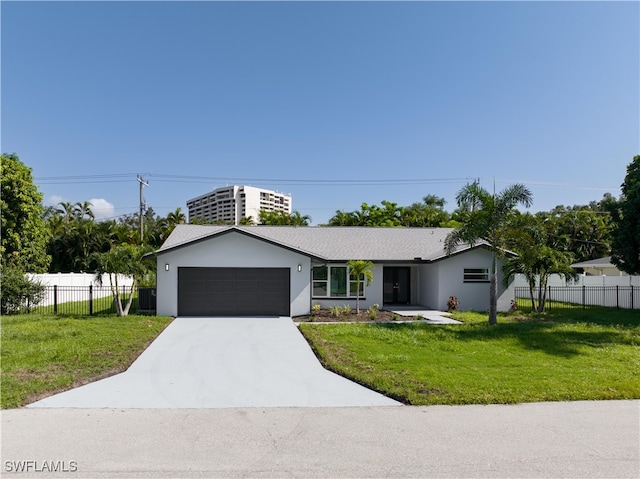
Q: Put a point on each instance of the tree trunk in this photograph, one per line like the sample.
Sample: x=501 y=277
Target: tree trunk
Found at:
x=493 y=299
x=533 y=298
x=125 y=312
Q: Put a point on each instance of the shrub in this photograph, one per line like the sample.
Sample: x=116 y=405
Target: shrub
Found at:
x=373 y=311
x=346 y=309
x=453 y=303
x=335 y=311
x=18 y=291
x=315 y=308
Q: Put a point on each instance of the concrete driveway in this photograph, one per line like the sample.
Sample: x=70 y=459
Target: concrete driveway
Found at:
x=222 y=363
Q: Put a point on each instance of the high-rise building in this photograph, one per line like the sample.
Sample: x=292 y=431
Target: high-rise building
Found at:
x=232 y=203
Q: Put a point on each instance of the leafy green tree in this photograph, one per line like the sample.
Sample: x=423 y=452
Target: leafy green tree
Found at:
x=358 y=270
x=429 y=213
x=24 y=233
x=625 y=247
x=537 y=263
x=18 y=291
x=122 y=260
x=76 y=236
x=487 y=218
x=282 y=218
x=583 y=231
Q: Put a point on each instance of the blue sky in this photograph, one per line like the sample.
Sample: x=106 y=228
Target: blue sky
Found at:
x=336 y=103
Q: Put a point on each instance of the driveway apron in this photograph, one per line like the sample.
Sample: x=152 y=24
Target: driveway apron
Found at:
x=223 y=362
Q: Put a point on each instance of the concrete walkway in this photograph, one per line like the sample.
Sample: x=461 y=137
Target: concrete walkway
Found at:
x=222 y=363
x=431 y=316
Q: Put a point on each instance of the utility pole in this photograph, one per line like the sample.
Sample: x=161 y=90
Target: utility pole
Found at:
x=143 y=183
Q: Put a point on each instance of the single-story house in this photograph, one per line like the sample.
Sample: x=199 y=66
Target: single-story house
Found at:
x=206 y=270
x=598 y=267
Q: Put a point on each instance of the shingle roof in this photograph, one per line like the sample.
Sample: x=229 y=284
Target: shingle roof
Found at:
x=332 y=243
x=595 y=263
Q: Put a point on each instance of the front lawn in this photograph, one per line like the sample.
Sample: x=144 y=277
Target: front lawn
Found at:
x=567 y=355
x=43 y=354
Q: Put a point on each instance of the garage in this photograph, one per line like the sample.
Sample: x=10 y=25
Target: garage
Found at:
x=233 y=291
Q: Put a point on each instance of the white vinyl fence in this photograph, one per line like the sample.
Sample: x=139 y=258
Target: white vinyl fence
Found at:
x=68 y=284
x=588 y=291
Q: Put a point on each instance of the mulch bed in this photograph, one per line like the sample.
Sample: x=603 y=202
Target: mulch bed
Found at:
x=325 y=316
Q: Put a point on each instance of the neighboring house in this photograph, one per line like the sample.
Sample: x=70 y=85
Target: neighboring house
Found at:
x=599 y=267
x=232 y=203
x=284 y=270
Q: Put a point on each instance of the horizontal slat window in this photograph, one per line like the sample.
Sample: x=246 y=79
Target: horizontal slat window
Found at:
x=476 y=275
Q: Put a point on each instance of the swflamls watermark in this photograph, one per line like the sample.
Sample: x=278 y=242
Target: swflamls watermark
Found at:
x=31 y=465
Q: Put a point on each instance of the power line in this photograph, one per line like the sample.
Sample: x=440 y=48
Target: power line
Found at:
x=124 y=177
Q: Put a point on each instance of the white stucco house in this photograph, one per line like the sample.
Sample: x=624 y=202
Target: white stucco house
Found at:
x=283 y=271
x=599 y=267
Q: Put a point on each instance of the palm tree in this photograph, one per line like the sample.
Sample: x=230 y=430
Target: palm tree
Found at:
x=121 y=260
x=537 y=263
x=67 y=210
x=488 y=216
x=84 y=209
x=360 y=269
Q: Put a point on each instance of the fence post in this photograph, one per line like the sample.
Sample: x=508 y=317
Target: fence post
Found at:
x=617 y=297
x=632 y=306
x=90 y=300
x=55 y=299
x=584 y=296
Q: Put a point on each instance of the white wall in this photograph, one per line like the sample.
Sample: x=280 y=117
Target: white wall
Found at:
x=582 y=280
x=373 y=292
x=429 y=292
x=70 y=282
x=472 y=296
x=76 y=279
x=233 y=250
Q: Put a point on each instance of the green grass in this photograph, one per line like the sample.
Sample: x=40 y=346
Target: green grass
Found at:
x=565 y=355
x=43 y=354
x=100 y=306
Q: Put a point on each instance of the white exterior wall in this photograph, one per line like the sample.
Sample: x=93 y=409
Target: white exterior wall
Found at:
x=429 y=292
x=233 y=250
x=373 y=293
x=472 y=296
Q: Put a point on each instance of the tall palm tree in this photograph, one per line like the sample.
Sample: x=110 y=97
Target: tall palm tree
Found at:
x=488 y=216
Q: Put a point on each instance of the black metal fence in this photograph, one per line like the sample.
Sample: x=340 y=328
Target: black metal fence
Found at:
x=92 y=300
x=565 y=297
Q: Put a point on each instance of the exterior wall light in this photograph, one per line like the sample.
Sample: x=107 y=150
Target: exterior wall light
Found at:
x=166 y=266
x=299 y=268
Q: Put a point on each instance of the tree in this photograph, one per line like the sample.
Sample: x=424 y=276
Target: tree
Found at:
x=537 y=263
x=429 y=213
x=282 y=218
x=487 y=218
x=24 y=232
x=18 y=291
x=358 y=270
x=582 y=230
x=538 y=256
x=122 y=260
x=625 y=247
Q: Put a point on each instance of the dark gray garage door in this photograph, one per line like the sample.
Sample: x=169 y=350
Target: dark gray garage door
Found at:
x=233 y=291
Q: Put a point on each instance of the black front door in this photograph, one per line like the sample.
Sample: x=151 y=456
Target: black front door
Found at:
x=396 y=285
